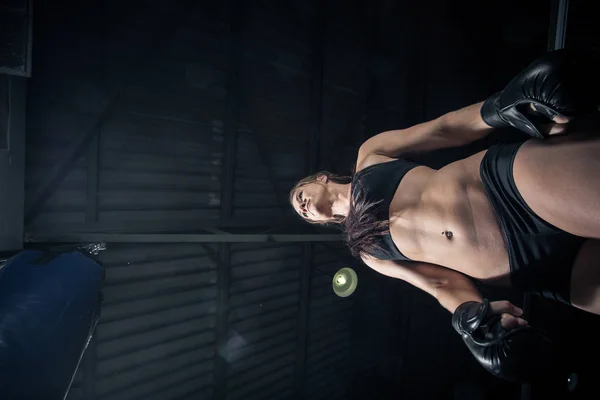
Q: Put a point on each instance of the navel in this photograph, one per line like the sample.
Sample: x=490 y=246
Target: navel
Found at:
x=448 y=234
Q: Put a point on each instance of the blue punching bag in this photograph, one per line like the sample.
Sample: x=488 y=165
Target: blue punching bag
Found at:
x=49 y=306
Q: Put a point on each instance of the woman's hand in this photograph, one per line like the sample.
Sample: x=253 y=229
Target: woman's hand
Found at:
x=558 y=126
x=501 y=342
x=511 y=314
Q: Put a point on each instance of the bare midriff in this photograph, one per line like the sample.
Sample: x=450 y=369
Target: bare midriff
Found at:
x=444 y=217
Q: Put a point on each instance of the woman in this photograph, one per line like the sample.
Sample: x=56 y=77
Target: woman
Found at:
x=524 y=214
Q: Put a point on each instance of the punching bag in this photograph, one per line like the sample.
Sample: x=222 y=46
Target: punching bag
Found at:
x=49 y=307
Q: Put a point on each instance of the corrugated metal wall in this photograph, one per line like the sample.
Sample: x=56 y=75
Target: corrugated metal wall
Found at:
x=156 y=159
x=274 y=116
x=345 y=86
x=330 y=334
x=156 y=336
x=263 y=321
x=160 y=139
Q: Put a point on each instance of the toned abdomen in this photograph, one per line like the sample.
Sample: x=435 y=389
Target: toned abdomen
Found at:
x=453 y=200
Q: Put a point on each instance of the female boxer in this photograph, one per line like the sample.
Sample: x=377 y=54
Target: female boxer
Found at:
x=525 y=214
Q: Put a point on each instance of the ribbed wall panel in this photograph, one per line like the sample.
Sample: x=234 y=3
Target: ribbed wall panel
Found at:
x=274 y=115
x=161 y=153
x=329 y=352
x=161 y=138
x=263 y=319
x=156 y=335
x=67 y=203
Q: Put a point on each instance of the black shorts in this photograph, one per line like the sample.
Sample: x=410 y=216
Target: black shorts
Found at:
x=541 y=256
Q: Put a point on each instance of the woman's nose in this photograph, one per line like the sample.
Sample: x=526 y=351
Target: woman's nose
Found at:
x=305 y=205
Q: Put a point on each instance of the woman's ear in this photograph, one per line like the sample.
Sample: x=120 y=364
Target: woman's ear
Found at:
x=322 y=178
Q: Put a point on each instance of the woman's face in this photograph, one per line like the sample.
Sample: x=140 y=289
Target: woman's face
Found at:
x=312 y=201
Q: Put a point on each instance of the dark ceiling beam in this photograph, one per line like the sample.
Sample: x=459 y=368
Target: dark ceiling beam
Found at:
x=371 y=17
x=316 y=90
x=90 y=358
x=303 y=323
x=349 y=131
x=60 y=170
x=191 y=225
x=236 y=19
x=232 y=112
x=92 y=180
x=373 y=21
x=313 y=158
x=264 y=156
x=365 y=111
x=40 y=237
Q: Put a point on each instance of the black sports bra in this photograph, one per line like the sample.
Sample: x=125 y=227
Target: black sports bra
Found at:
x=379 y=183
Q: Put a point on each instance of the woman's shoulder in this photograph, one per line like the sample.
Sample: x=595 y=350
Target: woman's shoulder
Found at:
x=366 y=161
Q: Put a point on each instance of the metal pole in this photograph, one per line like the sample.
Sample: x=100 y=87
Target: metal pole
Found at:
x=177 y=238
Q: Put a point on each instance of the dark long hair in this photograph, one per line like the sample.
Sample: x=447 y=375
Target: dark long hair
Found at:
x=362 y=227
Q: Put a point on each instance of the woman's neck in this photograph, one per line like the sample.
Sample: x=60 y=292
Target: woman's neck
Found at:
x=340 y=193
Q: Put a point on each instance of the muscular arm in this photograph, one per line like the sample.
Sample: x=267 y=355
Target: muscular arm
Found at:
x=452 y=129
x=558 y=86
x=449 y=287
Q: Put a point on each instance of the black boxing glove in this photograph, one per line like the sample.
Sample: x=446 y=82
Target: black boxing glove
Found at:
x=560 y=83
x=518 y=355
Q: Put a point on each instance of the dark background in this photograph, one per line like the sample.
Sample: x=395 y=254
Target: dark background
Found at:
x=154 y=116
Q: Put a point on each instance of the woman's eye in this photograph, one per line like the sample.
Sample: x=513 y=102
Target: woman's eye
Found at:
x=300 y=195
